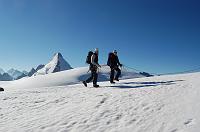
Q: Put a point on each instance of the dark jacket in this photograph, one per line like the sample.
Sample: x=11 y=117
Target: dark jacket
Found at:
x=113 y=61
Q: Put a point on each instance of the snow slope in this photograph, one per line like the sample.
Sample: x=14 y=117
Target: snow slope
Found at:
x=57 y=64
x=67 y=77
x=155 y=104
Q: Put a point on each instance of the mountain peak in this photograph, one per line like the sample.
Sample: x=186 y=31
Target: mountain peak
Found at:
x=57 y=64
x=58 y=54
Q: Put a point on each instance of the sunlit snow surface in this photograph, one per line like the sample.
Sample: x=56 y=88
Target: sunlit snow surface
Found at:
x=48 y=103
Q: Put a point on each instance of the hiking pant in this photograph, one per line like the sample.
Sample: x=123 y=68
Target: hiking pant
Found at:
x=93 y=76
x=112 y=74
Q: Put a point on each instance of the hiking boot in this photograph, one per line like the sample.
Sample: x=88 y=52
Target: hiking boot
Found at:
x=117 y=79
x=95 y=85
x=112 y=82
x=85 y=84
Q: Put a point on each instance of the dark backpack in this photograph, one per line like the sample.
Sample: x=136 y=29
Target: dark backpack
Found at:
x=110 y=57
x=88 y=59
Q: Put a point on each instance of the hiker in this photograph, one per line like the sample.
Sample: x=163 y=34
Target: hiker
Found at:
x=113 y=62
x=92 y=59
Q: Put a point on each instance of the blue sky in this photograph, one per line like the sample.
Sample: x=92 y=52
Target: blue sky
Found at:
x=155 y=36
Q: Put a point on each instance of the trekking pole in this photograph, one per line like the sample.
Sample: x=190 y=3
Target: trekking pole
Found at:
x=132 y=68
x=126 y=69
x=123 y=68
x=98 y=69
x=88 y=70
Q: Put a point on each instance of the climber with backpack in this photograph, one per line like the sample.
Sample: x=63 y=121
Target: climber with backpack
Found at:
x=92 y=60
x=113 y=63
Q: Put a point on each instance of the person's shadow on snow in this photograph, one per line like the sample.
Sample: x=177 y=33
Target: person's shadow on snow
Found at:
x=144 y=84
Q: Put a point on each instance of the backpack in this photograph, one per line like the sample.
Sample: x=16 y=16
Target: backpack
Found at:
x=110 y=56
x=88 y=59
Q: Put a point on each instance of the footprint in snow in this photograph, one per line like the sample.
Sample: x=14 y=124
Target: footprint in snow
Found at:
x=132 y=121
x=146 y=109
x=101 y=102
x=189 y=122
x=12 y=98
x=119 y=116
x=175 y=130
x=39 y=101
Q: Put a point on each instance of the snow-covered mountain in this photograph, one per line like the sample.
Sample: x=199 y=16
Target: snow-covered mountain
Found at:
x=25 y=72
x=12 y=74
x=32 y=71
x=15 y=73
x=39 y=67
x=155 y=104
x=2 y=71
x=21 y=76
x=57 y=64
x=5 y=77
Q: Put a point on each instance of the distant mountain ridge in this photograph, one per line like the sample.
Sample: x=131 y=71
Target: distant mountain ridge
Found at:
x=14 y=73
x=2 y=71
x=57 y=64
x=5 y=77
